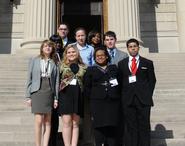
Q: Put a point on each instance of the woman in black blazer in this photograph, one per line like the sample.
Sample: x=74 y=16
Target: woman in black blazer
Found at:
x=102 y=88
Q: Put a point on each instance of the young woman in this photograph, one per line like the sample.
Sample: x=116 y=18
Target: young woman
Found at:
x=72 y=71
x=94 y=39
x=102 y=87
x=42 y=90
x=59 y=49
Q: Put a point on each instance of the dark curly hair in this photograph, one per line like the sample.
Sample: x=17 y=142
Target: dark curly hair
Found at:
x=103 y=48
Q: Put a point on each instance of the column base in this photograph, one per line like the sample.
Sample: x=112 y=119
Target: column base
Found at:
x=32 y=44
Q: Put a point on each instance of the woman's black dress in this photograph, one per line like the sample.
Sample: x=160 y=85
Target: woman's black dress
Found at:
x=70 y=100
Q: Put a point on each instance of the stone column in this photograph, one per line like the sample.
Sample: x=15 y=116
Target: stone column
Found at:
x=123 y=19
x=181 y=23
x=40 y=22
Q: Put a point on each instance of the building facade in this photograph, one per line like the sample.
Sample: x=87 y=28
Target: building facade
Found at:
x=158 y=24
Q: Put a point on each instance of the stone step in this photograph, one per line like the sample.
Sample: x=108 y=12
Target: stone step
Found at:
x=17 y=143
x=154 y=142
x=17 y=136
x=12 y=78
x=26 y=120
x=16 y=128
x=13 y=82
x=12 y=89
x=168 y=142
x=167 y=130
x=14 y=73
x=169 y=86
x=175 y=90
x=12 y=108
x=167 y=117
x=18 y=93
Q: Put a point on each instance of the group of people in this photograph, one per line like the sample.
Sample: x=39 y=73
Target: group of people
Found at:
x=114 y=86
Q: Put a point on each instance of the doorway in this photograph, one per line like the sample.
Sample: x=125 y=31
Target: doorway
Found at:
x=82 y=13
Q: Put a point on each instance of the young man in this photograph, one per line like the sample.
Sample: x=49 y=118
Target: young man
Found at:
x=137 y=84
x=86 y=51
x=63 y=31
x=110 y=42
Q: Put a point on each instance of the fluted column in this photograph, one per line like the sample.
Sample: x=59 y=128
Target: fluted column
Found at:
x=40 y=21
x=123 y=18
x=181 y=24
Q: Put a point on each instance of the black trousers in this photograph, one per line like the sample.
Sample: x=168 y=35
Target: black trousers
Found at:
x=54 y=128
x=105 y=135
x=120 y=131
x=137 y=117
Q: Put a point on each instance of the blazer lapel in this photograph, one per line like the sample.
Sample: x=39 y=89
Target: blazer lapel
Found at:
x=140 y=64
x=37 y=64
x=52 y=64
x=127 y=66
x=117 y=56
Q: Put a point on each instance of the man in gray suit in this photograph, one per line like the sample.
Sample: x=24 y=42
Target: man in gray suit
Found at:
x=110 y=42
x=116 y=56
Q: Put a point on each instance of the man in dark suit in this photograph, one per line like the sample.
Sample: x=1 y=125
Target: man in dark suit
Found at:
x=63 y=31
x=138 y=80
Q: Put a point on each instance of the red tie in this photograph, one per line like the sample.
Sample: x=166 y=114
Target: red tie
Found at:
x=134 y=66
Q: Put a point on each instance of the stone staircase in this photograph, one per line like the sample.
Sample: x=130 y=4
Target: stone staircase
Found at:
x=168 y=114
x=167 y=118
x=16 y=122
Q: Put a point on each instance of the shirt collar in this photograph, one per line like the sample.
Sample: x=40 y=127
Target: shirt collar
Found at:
x=137 y=58
x=65 y=41
x=82 y=48
x=114 y=49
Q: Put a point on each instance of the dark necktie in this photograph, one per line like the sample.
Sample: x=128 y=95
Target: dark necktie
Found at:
x=112 y=53
x=134 y=66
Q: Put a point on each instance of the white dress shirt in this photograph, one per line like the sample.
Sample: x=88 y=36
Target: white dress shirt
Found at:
x=45 y=67
x=130 y=61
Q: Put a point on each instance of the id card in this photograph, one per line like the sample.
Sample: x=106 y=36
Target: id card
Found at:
x=113 y=82
x=132 y=79
x=73 y=82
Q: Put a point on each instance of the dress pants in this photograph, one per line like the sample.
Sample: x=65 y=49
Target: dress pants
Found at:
x=137 y=116
x=105 y=135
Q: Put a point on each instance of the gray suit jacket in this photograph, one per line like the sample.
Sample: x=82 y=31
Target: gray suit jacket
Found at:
x=118 y=56
x=34 y=77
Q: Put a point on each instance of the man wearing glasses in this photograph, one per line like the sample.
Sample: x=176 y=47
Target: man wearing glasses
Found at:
x=63 y=31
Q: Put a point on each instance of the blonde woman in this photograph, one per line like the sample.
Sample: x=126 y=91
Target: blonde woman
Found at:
x=72 y=71
x=42 y=90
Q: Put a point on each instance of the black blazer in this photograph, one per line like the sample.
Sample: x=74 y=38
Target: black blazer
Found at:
x=144 y=86
x=68 y=42
x=96 y=83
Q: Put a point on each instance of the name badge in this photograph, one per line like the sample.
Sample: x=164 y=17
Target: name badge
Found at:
x=113 y=82
x=73 y=82
x=132 y=79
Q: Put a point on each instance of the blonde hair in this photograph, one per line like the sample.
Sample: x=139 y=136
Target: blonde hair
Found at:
x=49 y=43
x=78 y=60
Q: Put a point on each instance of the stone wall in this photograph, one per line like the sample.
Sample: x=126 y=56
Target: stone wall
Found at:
x=11 y=25
x=159 y=25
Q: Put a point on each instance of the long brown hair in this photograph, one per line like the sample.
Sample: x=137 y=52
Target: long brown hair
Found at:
x=78 y=60
x=49 y=43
